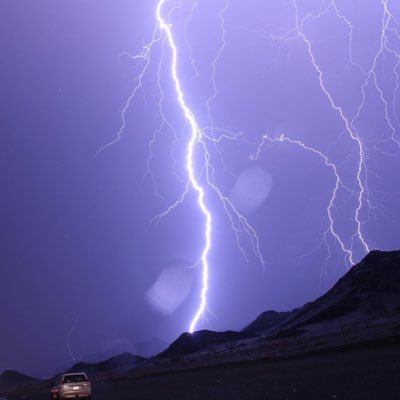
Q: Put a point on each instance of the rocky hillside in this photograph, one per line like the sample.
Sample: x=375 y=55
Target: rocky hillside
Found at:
x=189 y=343
x=116 y=363
x=267 y=321
x=370 y=290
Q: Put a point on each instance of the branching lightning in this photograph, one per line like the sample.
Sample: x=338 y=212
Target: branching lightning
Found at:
x=349 y=126
x=338 y=185
x=197 y=137
x=194 y=140
x=361 y=192
x=199 y=140
x=68 y=339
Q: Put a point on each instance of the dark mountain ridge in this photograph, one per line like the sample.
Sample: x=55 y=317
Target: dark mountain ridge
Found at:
x=368 y=291
x=113 y=363
x=13 y=378
x=188 y=343
x=268 y=320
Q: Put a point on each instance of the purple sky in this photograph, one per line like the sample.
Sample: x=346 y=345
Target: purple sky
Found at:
x=84 y=272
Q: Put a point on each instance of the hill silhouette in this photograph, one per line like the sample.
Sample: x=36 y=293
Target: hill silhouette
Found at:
x=188 y=343
x=369 y=290
x=111 y=364
x=13 y=378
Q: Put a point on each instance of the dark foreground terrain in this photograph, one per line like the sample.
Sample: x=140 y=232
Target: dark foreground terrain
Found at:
x=364 y=373
x=343 y=345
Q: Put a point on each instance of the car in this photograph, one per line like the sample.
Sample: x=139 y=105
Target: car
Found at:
x=71 y=386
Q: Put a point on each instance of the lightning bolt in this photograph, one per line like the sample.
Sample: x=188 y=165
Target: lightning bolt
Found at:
x=387 y=46
x=68 y=339
x=389 y=39
x=200 y=141
x=338 y=185
x=349 y=126
x=362 y=193
x=193 y=142
x=198 y=137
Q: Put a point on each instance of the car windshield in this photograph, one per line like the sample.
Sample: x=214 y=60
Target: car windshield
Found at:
x=74 y=378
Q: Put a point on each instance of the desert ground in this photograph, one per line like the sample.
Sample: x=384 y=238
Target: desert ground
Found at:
x=361 y=373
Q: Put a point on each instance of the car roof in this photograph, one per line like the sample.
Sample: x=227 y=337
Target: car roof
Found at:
x=74 y=373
